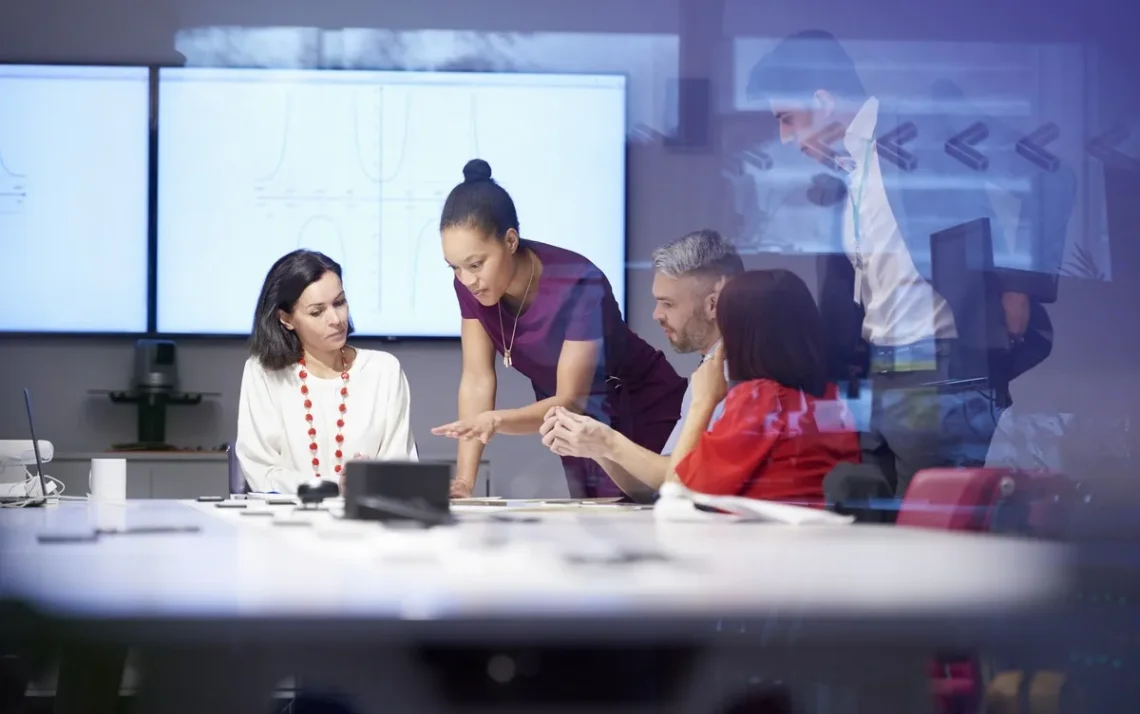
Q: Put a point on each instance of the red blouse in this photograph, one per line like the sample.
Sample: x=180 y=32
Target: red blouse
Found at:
x=773 y=443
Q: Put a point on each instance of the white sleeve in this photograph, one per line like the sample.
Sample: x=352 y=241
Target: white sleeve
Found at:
x=675 y=436
x=259 y=438
x=398 y=444
x=686 y=402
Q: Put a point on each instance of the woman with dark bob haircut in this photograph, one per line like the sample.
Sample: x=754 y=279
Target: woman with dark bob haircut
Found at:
x=308 y=398
x=783 y=427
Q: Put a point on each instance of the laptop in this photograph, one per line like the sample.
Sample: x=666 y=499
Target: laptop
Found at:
x=962 y=272
x=1007 y=228
x=41 y=500
x=1123 y=215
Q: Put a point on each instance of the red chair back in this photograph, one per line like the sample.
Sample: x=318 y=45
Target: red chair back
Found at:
x=989 y=500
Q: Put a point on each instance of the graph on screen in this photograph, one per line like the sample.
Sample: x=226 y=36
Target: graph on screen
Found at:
x=13 y=190
x=67 y=133
x=356 y=165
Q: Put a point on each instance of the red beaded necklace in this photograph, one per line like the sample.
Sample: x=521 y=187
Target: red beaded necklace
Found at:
x=303 y=374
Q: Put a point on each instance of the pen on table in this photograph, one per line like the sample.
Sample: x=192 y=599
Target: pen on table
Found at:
x=54 y=538
x=148 y=530
x=91 y=536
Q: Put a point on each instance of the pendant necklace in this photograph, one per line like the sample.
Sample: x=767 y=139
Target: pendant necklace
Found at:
x=507 y=347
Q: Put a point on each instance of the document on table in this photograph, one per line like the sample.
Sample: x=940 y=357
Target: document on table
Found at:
x=680 y=504
x=487 y=505
x=499 y=501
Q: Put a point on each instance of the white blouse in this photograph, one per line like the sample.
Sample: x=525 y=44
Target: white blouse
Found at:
x=273 y=443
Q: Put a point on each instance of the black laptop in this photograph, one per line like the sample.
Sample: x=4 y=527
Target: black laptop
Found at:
x=42 y=499
x=962 y=272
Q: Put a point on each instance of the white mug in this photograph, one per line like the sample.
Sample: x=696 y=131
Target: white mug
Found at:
x=107 y=480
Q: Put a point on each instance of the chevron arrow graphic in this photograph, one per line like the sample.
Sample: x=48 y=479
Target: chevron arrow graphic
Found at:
x=818 y=145
x=1103 y=147
x=1032 y=147
x=757 y=158
x=890 y=146
x=961 y=146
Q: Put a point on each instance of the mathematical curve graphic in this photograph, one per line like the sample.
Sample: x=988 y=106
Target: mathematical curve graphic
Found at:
x=284 y=141
x=403 y=141
x=356 y=134
x=322 y=219
x=419 y=243
x=474 y=126
x=7 y=170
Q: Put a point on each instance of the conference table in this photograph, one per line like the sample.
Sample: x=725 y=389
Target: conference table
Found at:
x=663 y=615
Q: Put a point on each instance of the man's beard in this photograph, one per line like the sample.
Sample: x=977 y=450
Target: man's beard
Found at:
x=693 y=337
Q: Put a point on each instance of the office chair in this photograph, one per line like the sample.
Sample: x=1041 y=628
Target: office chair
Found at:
x=991 y=500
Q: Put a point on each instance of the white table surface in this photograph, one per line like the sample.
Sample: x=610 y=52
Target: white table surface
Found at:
x=338 y=579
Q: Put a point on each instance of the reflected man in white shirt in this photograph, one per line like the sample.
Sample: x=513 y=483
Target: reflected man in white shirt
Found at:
x=688 y=276
x=881 y=309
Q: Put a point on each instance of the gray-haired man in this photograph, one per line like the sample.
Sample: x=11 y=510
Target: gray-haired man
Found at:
x=688 y=275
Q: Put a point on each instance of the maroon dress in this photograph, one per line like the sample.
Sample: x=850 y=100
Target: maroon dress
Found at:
x=635 y=390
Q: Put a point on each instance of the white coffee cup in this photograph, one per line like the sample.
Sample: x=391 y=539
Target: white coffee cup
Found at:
x=108 y=480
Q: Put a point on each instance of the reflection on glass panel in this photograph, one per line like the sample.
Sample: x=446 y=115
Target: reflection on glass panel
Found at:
x=649 y=60
x=277 y=47
x=1028 y=158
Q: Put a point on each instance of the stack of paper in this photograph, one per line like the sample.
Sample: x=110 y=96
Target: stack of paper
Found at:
x=677 y=503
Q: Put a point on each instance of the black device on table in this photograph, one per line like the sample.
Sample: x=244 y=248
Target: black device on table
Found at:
x=399 y=491
x=316 y=490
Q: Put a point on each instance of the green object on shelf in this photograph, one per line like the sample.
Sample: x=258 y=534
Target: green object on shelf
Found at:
x=151 y=426
x=152 y=411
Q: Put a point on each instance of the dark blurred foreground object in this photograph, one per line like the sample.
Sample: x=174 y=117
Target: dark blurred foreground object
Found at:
x=1102 y=660
x=13 y=683
x=983 y=500
x=317 y=703
x=770 y=699
x=1094 y=664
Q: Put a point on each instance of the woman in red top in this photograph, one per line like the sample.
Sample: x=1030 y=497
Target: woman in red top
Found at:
x=784 y=427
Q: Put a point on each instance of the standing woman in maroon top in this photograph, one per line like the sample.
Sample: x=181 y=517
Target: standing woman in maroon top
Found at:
x=550 y=314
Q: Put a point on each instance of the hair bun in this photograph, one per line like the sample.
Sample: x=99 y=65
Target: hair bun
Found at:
x=476 y=170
